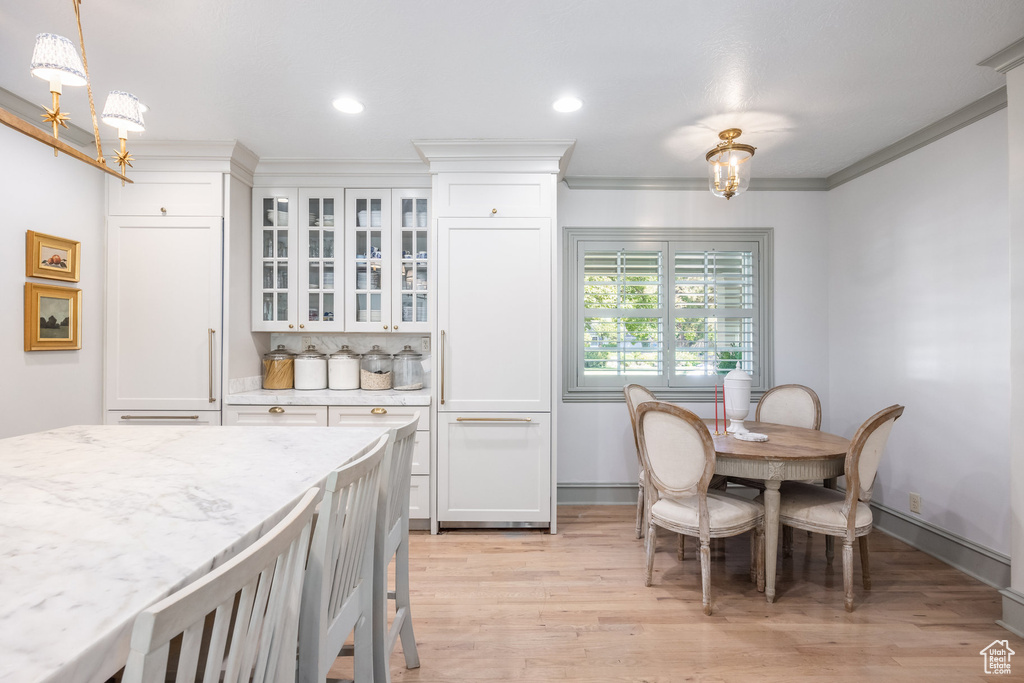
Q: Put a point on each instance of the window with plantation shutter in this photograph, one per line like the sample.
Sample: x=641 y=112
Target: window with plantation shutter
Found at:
x=673 y=310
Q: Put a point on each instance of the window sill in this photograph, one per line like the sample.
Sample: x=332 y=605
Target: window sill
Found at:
x=669 y=395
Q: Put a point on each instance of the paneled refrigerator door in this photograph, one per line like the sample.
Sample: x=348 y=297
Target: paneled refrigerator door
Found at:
x=163 y=322
x=321 y=263
x=494 y=314
x=368 y=255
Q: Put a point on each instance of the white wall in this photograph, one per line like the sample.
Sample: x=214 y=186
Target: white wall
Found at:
x=595 y=442
x=63 y=197
x=918 y=295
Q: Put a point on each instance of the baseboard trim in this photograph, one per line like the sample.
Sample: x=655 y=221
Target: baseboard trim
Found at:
x=1013 y=611
x=958 y=552
x=597 y=494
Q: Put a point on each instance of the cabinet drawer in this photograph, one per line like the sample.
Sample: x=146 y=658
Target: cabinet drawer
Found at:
x=166 y=418
x=495 y=194
x=276 y=416
x=363 y=416
x=167 y=194
x=419 y=497
x=421 y=454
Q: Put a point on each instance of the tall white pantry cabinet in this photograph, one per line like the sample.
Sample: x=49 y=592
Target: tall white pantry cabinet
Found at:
x=494 y=209
x=164 y=322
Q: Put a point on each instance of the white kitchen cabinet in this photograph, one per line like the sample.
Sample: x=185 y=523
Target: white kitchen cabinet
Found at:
x=276 y=416
x=155 y=193
x=494 y=314
x=165 y=418
x=297 y=249
x=498 y=195
x=163 y=313
x=496 y=468
x=318 y=270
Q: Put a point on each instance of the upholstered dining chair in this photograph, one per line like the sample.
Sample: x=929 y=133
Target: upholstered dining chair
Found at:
x=337 y=595
x=635 y=395
x=392 y=541
x=797 y=406
x=844 y=514
x=679 y=457
x=253 y=600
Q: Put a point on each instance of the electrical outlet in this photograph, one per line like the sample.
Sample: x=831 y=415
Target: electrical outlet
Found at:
x=305 y=343
x=915 y=502
x=425 y=344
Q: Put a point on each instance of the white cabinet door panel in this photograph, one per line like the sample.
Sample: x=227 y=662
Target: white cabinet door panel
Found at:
x=163 y=299
x=494 y=467
x=167 y=194
x=494 y=314
x=419 y=497
x=378 y=416
x=501 y=195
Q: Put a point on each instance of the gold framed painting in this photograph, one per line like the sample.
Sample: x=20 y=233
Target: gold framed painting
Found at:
x=51 y=257
x=53 y=317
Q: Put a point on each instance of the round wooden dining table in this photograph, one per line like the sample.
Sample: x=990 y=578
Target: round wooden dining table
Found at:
x=790 y=453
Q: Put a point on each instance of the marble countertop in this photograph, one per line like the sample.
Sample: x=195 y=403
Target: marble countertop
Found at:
x=98 y=522
x=329 y=397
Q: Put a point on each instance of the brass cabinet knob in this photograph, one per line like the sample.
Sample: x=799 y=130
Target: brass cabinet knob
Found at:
x=396 y=327
x=302 y=325
x=291 y=326
x=276 y=410
x=379 y=411
x=163 y=209
x=494 y=211
x=385 y=327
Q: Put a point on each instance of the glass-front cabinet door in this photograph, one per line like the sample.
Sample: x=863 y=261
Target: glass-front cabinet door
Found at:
x=275 y=241
x=320 y=261
x=412 y=258
x=368 y=250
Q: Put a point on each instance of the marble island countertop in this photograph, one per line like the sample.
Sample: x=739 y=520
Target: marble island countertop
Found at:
x=98 y=522
x=330 y=397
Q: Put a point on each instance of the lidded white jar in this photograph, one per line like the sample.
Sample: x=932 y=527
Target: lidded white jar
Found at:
x=343 y=369
x=310 y=369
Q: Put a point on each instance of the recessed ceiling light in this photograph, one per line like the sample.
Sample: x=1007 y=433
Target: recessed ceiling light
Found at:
x=348 y=105
x=567 y=104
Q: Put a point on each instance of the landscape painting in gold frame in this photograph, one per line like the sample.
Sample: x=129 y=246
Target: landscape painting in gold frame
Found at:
x=53 y=317
x=51 y=257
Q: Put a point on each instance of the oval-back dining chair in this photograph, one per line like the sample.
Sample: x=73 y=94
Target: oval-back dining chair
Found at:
x=635 y=395
x=844 y=514
x=679 y=457
x=790 y=404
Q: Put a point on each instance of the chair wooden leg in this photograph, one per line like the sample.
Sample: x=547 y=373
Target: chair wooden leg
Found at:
x=650 y=541
x=705 y=574
x=753 y=554
x=639 y=511
x=363 y=649
x=682 y=547
x=787 y=541
x=864 y=568
x=848 y=573
x=412 y=656
x=830 y=549
x=759 y=535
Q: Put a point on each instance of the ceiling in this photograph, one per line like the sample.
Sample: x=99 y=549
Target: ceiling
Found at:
x=815 y=84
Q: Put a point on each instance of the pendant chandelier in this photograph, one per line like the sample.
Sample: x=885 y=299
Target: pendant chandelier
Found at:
x=729 y=165
x=56 y=60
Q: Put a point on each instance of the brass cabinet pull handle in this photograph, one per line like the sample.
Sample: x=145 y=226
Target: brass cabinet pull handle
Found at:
x=442 y=367
x=159 y=417
x=379 y=411
x=210 y=338
x=277 y=410
x=493 y=419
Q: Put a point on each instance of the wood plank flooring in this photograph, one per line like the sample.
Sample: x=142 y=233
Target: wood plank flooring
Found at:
x=528 y=606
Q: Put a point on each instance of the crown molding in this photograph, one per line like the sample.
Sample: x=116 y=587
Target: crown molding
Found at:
x=495 y=155
x=986 y=106
x=691 y=184
x=32 y=113
x=366 y=173
x=1006 y=59
x=220 y=156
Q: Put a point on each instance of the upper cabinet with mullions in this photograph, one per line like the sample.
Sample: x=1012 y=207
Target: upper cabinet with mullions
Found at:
x=336 y=260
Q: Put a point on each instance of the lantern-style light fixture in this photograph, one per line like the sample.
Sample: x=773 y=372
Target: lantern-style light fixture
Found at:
x=56 y=60
x=124 y=112
x=729 y=165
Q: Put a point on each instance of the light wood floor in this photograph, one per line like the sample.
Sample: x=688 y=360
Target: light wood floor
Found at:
x=528 y=606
